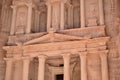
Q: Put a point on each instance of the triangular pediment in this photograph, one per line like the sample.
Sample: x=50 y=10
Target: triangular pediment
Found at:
x=53 y=37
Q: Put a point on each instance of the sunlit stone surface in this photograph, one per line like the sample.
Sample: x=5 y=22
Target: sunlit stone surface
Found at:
x=59 y=40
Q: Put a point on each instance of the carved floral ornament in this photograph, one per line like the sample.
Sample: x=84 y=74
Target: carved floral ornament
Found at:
x=23 y=2
x=53 y=1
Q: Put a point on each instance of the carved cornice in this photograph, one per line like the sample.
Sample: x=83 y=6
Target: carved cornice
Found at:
x=23 y=2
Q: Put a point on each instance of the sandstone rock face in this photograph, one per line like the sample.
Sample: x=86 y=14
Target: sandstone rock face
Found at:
x=59 y=40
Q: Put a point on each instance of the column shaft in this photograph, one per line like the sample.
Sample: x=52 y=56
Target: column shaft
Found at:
x=49 y=17
x=62 y=16
x=25 y=69
x=41 y=68
x=8 y=75
x=12 y=32
x=82 y=10
x=101 y=12
x=83 y=57
x=29 y=20
x=104 y=66
x=66 y=58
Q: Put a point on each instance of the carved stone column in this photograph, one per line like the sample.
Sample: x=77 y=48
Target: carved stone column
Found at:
x=30 y=6
x=101 y=12
x=83 y=59
x=26 y=62
x=82 y=10
x=62 y=16
x=12 y=32
x=9 y=65
x=104 y=66
x=41 y=67
x=66 y=58
x=48 y=16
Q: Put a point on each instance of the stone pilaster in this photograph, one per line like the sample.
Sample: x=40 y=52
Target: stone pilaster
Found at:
x=83 y=63
x=104 y=66
x=66 y=58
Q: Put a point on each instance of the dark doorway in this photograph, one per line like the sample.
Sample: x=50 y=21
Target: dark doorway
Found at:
x=59 y=77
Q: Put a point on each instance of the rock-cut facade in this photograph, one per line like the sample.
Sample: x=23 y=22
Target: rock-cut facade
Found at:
x=59 y=40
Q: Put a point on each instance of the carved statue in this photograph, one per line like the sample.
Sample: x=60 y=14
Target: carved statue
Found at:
x=56 y=16
x=21 y=20
x=92 y=20
x=92 y=10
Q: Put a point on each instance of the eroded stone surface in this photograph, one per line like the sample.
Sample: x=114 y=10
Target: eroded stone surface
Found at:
x=44 y=38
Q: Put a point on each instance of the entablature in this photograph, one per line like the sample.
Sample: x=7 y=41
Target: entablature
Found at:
x=57 y=48
x=88 y=32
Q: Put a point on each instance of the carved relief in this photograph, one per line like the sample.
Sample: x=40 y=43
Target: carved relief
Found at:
x=73 y=16
x=21 y=20
x=68 y=15
x=56 y=16
x=92 y=15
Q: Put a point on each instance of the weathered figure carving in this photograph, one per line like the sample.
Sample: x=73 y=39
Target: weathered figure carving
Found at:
x=92 y=18
x=21 y=20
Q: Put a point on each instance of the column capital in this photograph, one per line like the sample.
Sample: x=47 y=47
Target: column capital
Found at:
x=36 y=11
x=48 y=3
x=66 y=55
x=83 y=54
x=43 y=57
x=13 y=6
x=8 y=59
x=30 y=5
x=26 y=60
x=103 y=54
x=63 y=1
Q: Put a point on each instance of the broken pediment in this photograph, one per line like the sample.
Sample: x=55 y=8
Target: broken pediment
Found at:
x=54 y=37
